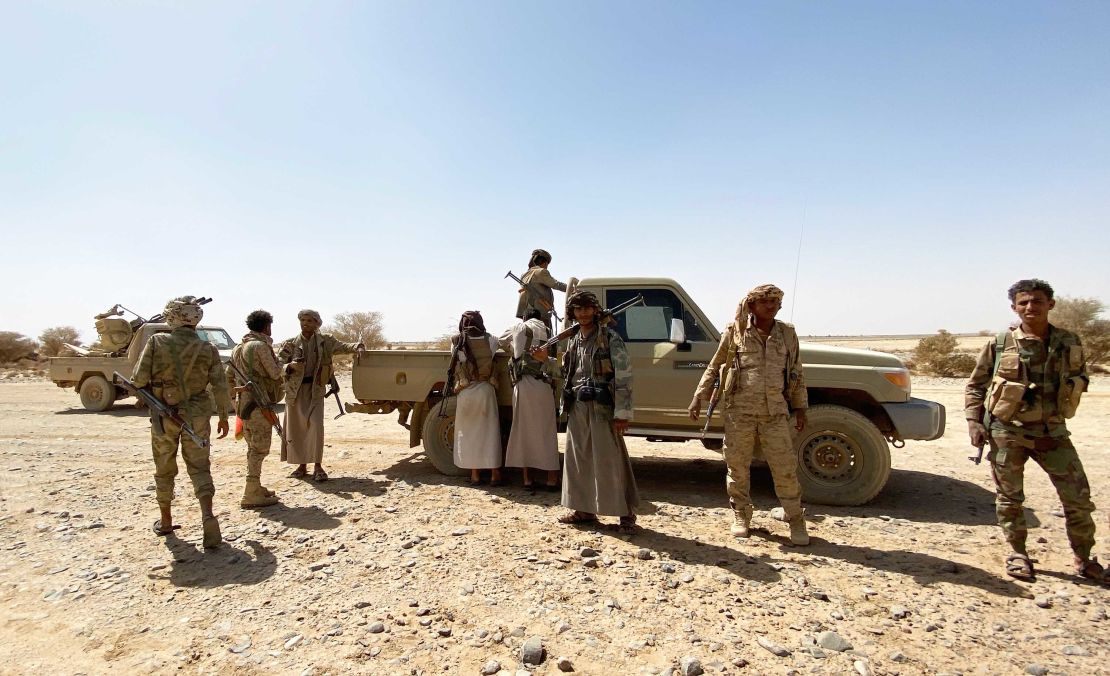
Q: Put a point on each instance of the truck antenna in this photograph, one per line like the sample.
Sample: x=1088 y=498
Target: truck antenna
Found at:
x=797 y=264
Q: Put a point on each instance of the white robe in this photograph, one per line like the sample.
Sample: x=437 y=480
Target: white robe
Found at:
x=477 y=426
x=533 y=441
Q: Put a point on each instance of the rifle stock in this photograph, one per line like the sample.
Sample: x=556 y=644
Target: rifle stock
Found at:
x=259 y=397
x=713 y=398
x=159 y=409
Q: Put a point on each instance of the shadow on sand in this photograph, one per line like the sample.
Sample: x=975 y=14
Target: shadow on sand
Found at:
x=228 y=564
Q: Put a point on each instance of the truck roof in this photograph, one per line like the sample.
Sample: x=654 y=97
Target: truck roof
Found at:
x=628 y=281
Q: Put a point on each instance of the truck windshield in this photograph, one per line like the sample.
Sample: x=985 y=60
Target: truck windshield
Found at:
x=217 y=337
x=651 y=323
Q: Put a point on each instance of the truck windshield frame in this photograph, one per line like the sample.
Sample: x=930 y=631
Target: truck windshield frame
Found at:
x=651 y=323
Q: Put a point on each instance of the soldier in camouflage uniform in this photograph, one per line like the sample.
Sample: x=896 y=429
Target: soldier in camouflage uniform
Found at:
x=180 y=368
x=254 y=356
x=597 y=473
x=761 y=383
x=1027 y=381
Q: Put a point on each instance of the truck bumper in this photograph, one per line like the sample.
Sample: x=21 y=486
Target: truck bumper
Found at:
x=917 y=419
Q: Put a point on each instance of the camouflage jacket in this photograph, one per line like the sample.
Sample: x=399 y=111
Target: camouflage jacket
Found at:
x=326 y=347
x=1053 y=375
x=538 y=285
x=762 y=378
x=254 y=356
x=603 y=357
x=184 y=371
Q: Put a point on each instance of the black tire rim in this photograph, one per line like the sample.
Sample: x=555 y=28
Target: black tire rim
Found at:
x=832 y=458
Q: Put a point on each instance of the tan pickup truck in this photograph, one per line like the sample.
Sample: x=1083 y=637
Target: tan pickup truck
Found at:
x=860 y=401
x=89 y=371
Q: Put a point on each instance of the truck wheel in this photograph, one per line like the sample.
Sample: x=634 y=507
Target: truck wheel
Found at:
x=439 y=439
x=843 y=459
x=713 y=444
x=97 y=394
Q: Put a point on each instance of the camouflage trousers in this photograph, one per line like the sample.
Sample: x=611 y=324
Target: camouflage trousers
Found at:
x=257 y=433
x=742 y=431
x=197 y=461
x=1008 y=455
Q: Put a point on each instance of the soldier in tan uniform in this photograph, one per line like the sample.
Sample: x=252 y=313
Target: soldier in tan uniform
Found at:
x=308 y=368
x=254 y=357
x=761 y=383
x=537 y=290
x=180 y=367
x=1026 y=384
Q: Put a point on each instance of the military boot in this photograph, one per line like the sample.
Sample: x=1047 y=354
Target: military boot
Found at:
x=741 y=522
x=798 y=534
x=255 y=496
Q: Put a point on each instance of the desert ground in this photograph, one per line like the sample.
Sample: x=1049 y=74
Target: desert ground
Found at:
x=392 y=568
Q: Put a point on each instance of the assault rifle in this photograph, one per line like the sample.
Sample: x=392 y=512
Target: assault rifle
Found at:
x=713 y=398
x=333 y=388
x=258 y=398
x=159 y=409
x=449 y=385
x=575 y=328
x=542 y=302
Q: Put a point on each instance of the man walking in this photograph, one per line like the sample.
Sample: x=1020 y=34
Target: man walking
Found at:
x=761 y=383
x=254 y=357
x=1027 y=382
x=308 y=368
x=597 y=473
x=180 y=368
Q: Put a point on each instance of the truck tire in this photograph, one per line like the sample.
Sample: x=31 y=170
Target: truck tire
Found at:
x=843 y=459
x=97 y=394
x=713 y=444
x=439 y=439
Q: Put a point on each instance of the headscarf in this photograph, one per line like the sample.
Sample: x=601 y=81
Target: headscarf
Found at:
x=537 y=254
x=582 y=299
x=183 y=311
x=761 y=292
x=471 y=325
x=310 y=313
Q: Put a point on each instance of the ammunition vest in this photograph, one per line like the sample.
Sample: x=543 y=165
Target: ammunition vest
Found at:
x=1016 y=398
x=602 y=368
x=481 y=369
x=526 y=365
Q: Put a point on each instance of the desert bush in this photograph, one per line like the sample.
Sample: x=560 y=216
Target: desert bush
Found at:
x=937 y=355
x=443 y=342
x=53 y=340
x=358 y=327
x=1081 y=315
x=15 y=346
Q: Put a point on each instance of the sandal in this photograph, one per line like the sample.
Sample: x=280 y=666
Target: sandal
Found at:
x=320 y=475
x=474 y=482
x=299 y=473
x=628 y=526
x=1020 y=566
x=160 y=532
x=1092 y=570
x=575 y=516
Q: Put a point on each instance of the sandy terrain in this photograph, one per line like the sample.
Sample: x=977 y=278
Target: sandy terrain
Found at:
x=391 y=568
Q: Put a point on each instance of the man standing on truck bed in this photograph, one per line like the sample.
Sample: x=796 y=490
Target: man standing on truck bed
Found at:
x=1038 y=373
x=254 y=357
x=537 y=290
x=597 y=473
x=759 y=371
x=179 y=367
x=308 y=368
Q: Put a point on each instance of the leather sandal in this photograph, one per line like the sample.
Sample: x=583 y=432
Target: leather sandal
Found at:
x=160 y=532
x=1020 y=566
x=1092 y=570
x=299 y=473
x=320 y=475
x=575 y=516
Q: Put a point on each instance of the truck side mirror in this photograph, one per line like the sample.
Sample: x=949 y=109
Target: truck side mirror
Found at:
x=678 y=332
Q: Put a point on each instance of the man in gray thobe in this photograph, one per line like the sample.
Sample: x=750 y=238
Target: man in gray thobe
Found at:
x=308 y=368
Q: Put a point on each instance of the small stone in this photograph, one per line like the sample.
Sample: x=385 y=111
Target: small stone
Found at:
x=819 y=595
x=467 y=589
x=462 y=530
x=897 y=656
x=690 y=666
x=644 y=554
x=861 y=668
x=444 y=631
x=564 y=664
x=1043 y=600
x=376 y=628
x=830 y=640
x=899 y=612
x=587 y=552
x=532 y=651
x=1075 y=651
x=1036 y=670
x=319 y=565
x=562 y=628
x=490 y=668
x=241 y=646
x=667 y=567
x=293 y=641
x=772 y=647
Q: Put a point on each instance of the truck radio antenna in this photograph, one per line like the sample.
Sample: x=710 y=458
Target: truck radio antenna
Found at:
x=797 y=264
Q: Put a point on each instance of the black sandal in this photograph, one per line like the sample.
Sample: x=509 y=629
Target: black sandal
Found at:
x=1092 y=570
x=157 y=528
x=1020 y=566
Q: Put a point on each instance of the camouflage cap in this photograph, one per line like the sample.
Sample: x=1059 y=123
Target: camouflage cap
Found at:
x=761 y=292
x=582 y=299
x=183 y=311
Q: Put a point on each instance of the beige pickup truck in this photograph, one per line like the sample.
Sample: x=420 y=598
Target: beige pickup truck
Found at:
x=860 y=401
x=89 y=371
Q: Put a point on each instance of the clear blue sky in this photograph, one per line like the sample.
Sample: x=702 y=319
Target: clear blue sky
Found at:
x=402 y=156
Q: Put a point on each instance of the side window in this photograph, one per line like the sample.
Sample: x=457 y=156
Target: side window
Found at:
x=651 y=322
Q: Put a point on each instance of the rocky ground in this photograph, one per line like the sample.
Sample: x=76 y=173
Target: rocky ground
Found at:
x=391 y=568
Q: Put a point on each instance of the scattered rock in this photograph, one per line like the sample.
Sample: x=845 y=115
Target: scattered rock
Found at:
x=830 y=640
x=772 y=647
x=293 y=641
x=899 y=612
x=644 y=554
x=444 y=631
x=690 y=666
x=376 y=628
x=897 y=656
x=1036 y=670
x=490 y=668
x=1043 y=600
x=587 y=552
x=1075 y=651
x=564 y=664
x=861 y=668
x=241 y=646
x=532 y=651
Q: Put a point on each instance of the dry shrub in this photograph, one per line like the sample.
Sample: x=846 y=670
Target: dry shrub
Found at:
x=937 y=356
x=54 y=339
x=1081 y=315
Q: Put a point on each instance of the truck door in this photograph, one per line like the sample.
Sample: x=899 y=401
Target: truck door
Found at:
x=664 y=374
